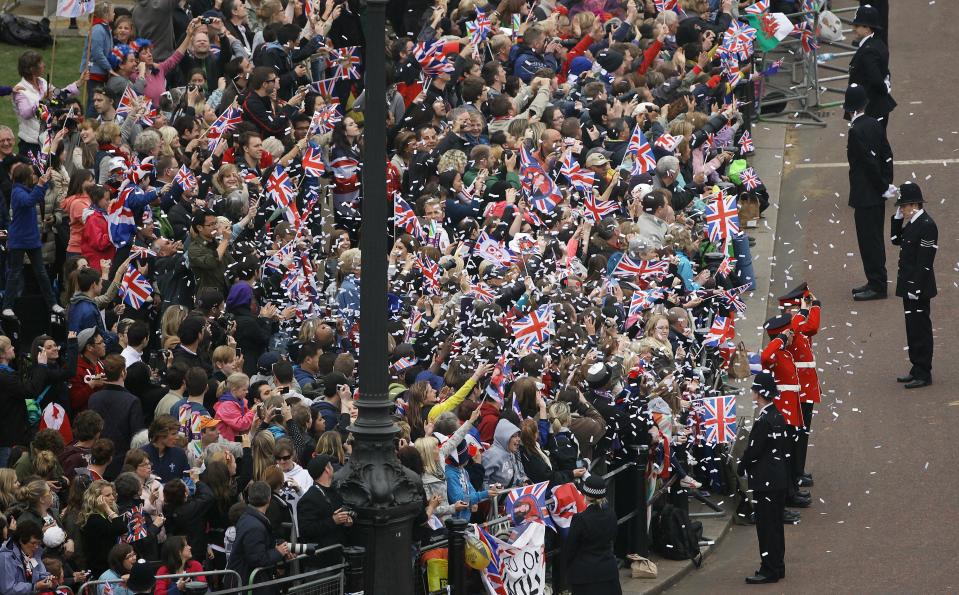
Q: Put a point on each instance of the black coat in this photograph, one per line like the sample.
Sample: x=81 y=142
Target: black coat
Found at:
x=13 y=410
x=252 y=336
x=588 y=549
x=870 y=162
x=254 y=545
x=763 y=461
x=869 y=68
x=122 y=415
x=314 y=517
x=918 y=242
x=189 y=519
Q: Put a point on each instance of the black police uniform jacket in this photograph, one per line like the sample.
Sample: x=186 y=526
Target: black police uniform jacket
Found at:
x=588 y=549
x=918 y=242
x=869 y=68
x=764 y=460
x=870 y=162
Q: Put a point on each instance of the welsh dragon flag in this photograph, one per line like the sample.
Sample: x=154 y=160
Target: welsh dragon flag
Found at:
x=771 y=28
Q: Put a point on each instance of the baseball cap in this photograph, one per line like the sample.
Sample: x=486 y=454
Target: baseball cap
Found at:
x=208 y=422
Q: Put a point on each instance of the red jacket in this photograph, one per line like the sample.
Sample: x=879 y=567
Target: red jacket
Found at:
x=489 y=417
x=80 y=391
x=779 y=361
x=163 y=585
x=95 y=243
x=806 y=324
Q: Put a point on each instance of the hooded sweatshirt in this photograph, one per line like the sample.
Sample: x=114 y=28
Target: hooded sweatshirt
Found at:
x=502 y=466
x=74 y=206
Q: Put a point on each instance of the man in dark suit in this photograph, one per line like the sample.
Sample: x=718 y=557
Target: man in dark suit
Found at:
x=870 y=177
x=869 y=67
x=917 y=236
x=121 y=411
x=321 y=518
x=764 y=465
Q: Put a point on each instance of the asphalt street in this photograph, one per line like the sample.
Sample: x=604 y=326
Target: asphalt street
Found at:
x=884 y=508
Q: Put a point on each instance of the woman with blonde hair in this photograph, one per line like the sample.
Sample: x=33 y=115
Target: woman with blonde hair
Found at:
x=656 y=339
x=170 y=147
x=100 y=524
x=262 y=451
x=37 y=500
x=434 y=467
x=331 y=443
x=9 y=485
x=170 y=324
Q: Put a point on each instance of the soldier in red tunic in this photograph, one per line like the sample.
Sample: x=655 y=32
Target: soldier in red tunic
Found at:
x=778 y=360
x=805 y=311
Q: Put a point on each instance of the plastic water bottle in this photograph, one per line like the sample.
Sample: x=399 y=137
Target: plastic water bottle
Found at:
x=822 y=58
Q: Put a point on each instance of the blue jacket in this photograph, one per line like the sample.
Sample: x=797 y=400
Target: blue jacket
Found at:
x=13 y=581
x=348 y=299
x=303 y=377
x=254 y=546
x=24 y=232
x=84 y=313
x=101 y=44
x=526 y=62
x=458 y=487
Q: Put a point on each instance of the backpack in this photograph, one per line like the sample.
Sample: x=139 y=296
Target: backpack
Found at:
x=21 y=31
x=675 y=536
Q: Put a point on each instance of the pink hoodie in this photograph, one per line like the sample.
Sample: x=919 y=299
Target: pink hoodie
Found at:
x=235 y=418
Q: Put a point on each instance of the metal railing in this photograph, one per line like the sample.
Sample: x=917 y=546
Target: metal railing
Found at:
x=324 y=581
x=206 y=573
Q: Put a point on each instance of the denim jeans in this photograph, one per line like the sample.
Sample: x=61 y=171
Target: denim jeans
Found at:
x=744 y=260
x=15 y=276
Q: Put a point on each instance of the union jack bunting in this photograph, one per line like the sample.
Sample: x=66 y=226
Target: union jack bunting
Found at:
x=184 y=178
x=280 y=189
x=405 y=218
x=644 y=268
x=347 y=63
x=722 y=330
x=722 y=218
x=749 y=178
x=313 y=162
x=719 y=419
x=641 y=151
x=533 y=330
x=135 y=290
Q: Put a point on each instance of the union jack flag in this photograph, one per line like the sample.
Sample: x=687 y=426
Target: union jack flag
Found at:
x=578 y=176
x=280 y=189
x=643 y=300
x=668 y=142
x=641 y=151
x=543 y=192
x=596 y=210
x=732 y=299
x=431 y=273
x=141 y=252
x=483 y=292
x=120 y=223
x=405 y=218
x=643 y=268
x=749 y=178
x=807 y=37
x=126 y=104
x=230 y=117
x=719 y=419
x=313 y=162
x=324 y=119
x=431 y=59
x=731 y=69
x=567 y=501
x=492 y=250
x=491 y=574
x=481 y=28
x=758 y=8
x=722 y=218
x=725 y=267
x=324 y=87
x=496 y=389
x=347 y=63
x=533 y=330
x=136 y=525
x=738 y=40
x=722 y=330
x=534 y=497
x=135 y=290
x=773 y=68
x=746 y=143
x=664 y=5
x=185 y=178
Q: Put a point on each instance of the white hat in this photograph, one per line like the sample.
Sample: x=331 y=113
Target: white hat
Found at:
x=54 y=537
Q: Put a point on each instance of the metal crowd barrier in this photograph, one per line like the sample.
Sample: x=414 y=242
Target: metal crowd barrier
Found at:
x=83 y=588
x=324 y=581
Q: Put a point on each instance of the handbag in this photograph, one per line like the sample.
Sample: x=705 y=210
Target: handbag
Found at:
x=34 y=411
x=641 y=567
x=739 y=363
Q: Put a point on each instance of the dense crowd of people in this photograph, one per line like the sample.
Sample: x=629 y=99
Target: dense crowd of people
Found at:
x=565 y=270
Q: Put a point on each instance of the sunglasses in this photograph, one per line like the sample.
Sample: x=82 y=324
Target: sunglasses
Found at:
x=286 y=458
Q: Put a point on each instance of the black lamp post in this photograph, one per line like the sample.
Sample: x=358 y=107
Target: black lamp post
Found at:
x=384 y=494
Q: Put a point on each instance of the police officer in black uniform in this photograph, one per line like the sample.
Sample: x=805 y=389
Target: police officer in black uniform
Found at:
x=870 y=179
x=917 y=236
x=764 y=465
x=869 y=67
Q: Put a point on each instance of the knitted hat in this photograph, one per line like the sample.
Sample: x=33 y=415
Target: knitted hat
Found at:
x=610 y=60
x=84 y=337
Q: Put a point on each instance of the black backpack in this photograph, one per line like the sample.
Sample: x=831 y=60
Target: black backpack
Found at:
x=675 y=536
x=21 y=31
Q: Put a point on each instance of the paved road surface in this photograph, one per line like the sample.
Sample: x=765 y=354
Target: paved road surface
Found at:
x=885 y=511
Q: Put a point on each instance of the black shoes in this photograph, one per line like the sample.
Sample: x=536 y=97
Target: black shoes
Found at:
x=869 y=295
x=906 y=378
x=803 y=494
x=918 y=383
x=797 y=501
x=805 y=481
x=791 y=517
x=761 y=579
x=860 y=289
